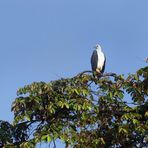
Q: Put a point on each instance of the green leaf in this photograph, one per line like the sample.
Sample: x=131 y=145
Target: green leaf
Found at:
x=76 y=91
x=48 y=138
x=110 y=94
x=121 y=95
x=135 y=121
x=136 y=77
x=44 y=138
x=146 y=113
x=122 y=130
x=28 y=117
x=67 y=105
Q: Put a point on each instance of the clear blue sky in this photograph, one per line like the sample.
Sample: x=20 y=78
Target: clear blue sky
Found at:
x=43 y=40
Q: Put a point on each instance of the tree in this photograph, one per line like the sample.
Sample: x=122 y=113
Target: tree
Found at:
x=82 y=111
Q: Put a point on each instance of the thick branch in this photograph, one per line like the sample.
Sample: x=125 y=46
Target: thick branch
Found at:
x=100 y=75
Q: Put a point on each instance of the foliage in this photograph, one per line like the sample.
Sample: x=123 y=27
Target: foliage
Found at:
x=82 y=111
x=12 y=135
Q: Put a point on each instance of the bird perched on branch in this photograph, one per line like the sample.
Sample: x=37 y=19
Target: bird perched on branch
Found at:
x=98 y=60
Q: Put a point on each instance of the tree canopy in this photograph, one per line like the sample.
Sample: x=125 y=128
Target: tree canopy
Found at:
x=82 y=111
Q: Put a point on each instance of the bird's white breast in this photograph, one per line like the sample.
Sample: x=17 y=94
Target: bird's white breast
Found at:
x=101 y=59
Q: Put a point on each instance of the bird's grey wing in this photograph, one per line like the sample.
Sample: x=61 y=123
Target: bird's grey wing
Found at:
x=94 y=60
x=103 y=68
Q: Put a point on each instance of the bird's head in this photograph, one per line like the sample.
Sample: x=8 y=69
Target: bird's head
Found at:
x=98 y=47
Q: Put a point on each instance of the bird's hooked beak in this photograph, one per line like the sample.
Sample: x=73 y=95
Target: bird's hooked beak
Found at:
x=96 y=46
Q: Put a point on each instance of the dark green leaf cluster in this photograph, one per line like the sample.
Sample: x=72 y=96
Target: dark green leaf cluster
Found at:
x=12 y=135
